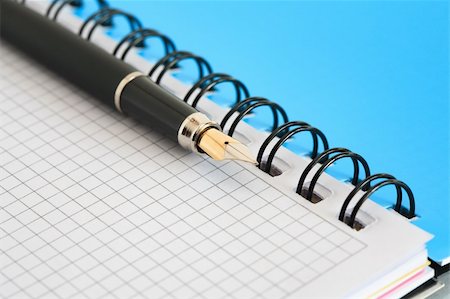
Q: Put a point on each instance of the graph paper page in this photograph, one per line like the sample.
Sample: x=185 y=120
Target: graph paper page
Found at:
x=94 y=205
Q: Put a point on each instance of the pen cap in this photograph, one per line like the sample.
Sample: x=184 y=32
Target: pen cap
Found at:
x=149 y=103
x=77 y=60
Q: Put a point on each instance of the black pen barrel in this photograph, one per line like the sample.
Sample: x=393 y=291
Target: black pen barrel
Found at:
x=90 y=68
x=75 y=59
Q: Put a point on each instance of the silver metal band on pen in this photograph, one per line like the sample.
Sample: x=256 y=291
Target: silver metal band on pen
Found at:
x=121 y=86
x=190 y=130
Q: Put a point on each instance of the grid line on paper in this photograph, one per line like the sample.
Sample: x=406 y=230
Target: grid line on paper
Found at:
x=164 y=240
x=60 y=253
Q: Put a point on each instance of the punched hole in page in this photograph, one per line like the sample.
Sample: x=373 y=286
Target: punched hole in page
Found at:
x=319 y=193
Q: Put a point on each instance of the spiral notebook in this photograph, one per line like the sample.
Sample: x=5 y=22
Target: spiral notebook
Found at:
x=347 y=91
x=96 y=205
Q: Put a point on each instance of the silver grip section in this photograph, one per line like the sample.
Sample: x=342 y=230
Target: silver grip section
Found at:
x=192 y=128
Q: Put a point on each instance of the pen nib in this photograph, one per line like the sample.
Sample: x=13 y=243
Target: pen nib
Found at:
x=220 y=146
x=238 y=151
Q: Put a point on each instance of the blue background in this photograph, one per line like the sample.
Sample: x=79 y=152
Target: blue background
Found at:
x=372 y=75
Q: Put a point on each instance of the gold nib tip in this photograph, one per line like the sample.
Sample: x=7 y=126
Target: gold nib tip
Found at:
x=238 y=151
x=220 y=146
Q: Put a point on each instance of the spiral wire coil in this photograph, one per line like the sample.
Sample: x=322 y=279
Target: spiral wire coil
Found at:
x=244 y=104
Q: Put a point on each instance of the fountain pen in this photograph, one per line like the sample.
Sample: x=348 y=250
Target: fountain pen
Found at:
x=115 y=82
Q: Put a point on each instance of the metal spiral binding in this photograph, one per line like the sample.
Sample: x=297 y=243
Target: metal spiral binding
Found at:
x=104 y=15
x=326 y=159
x=209 y=83
x=287 y=130
x=249 y=104
x=244 y=104
x=137 y=37
x=387 y=179
x=171 y=60
x=73 y=3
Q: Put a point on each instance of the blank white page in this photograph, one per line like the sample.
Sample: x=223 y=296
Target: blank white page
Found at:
x=95 y=205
